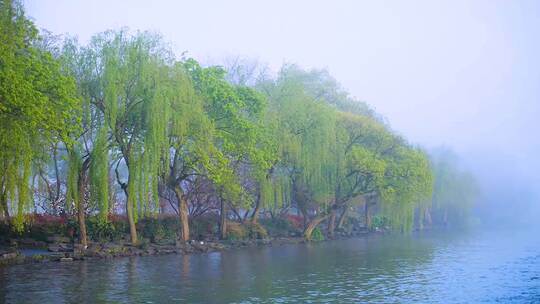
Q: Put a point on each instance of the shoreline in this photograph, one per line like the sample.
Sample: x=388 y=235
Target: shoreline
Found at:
x=63 y=252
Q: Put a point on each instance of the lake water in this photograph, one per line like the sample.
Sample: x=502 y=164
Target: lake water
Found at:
x=469 y=267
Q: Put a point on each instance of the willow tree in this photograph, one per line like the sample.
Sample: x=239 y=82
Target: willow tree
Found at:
x=236 y=116
x=38 y=106
x=190 y=140
x=455 y=190
x=127 y=81
x=335 y=149
x=375 y=164
x=304 y=129
x=330 y=156
x=408 y=183
x=88 y=157
x=359 y=164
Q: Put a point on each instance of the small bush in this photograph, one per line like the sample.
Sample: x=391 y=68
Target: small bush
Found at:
x=317 y=235
x=235 y=231
x=102 y=231
x=255 y=231
x=143 y=244
x=246 y=231
x=159 y=229
x=379 y=222
x=204 y=227
x=296 y=221
x=282 y=227
x=41 y=226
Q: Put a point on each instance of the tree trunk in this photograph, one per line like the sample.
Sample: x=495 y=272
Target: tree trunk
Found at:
x=131 y=219
x=342 y=217
x=427 y=217
x=332 y=223
x=304 y=218
x=81 y=184
x=56 y=174
x=183 y=213
x=223 y=221
x=312 y=225
x=255 y=215
x=4 y=206
x=236 y=213
x=3 y=200
x=367 y=215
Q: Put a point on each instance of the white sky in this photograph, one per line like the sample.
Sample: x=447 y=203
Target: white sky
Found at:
x=461 y=73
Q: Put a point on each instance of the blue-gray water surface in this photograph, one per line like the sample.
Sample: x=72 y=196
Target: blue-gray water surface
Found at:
x=469 y=267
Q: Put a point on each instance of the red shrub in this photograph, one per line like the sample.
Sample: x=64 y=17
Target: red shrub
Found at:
x=296 y=220
x=46 y=219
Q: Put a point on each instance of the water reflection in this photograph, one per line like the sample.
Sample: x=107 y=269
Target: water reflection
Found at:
x=429 y=268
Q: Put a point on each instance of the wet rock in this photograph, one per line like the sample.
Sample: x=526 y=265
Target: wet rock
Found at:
x=167 y=251
x=198 y=247
x=179 y=243
x=187 y=248
x=56 y=256
x=54 y=248
x=66 y=247
x=217 y=246
x=150 y=251
x=263 y=242
x=9 y=255
x=92 y=250
x=60 y=248
x=79 y=249
x=113 y=248
x=76 y=255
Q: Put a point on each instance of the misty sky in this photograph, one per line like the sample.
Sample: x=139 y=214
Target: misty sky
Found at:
x=464 y=74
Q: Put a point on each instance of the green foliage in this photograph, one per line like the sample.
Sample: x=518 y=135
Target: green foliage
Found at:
x=280 y=227
x=255 y=231
x=159 y=230
x=235 y=232
x=203 y=227
x=38 y=105
x=124 y=104
x=331 y=157
x=379 y=222
x=317 y=235
x=455 y=190
x=303 y=127
x=105 y=231
x=238 y=133
x=245 y=231
x=408 y=184
x=99 y=175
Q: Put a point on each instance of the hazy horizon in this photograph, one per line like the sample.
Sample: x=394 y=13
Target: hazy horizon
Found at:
x=459 y=74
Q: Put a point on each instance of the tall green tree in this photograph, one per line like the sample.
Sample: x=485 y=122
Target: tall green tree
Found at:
x=190 y=135
x=128 y=77
x=38 y=105
x=239 y=136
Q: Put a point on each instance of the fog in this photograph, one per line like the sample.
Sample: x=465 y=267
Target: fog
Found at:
x=463 y=74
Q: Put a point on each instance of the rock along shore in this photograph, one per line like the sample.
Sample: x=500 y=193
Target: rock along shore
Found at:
x=60 y=249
